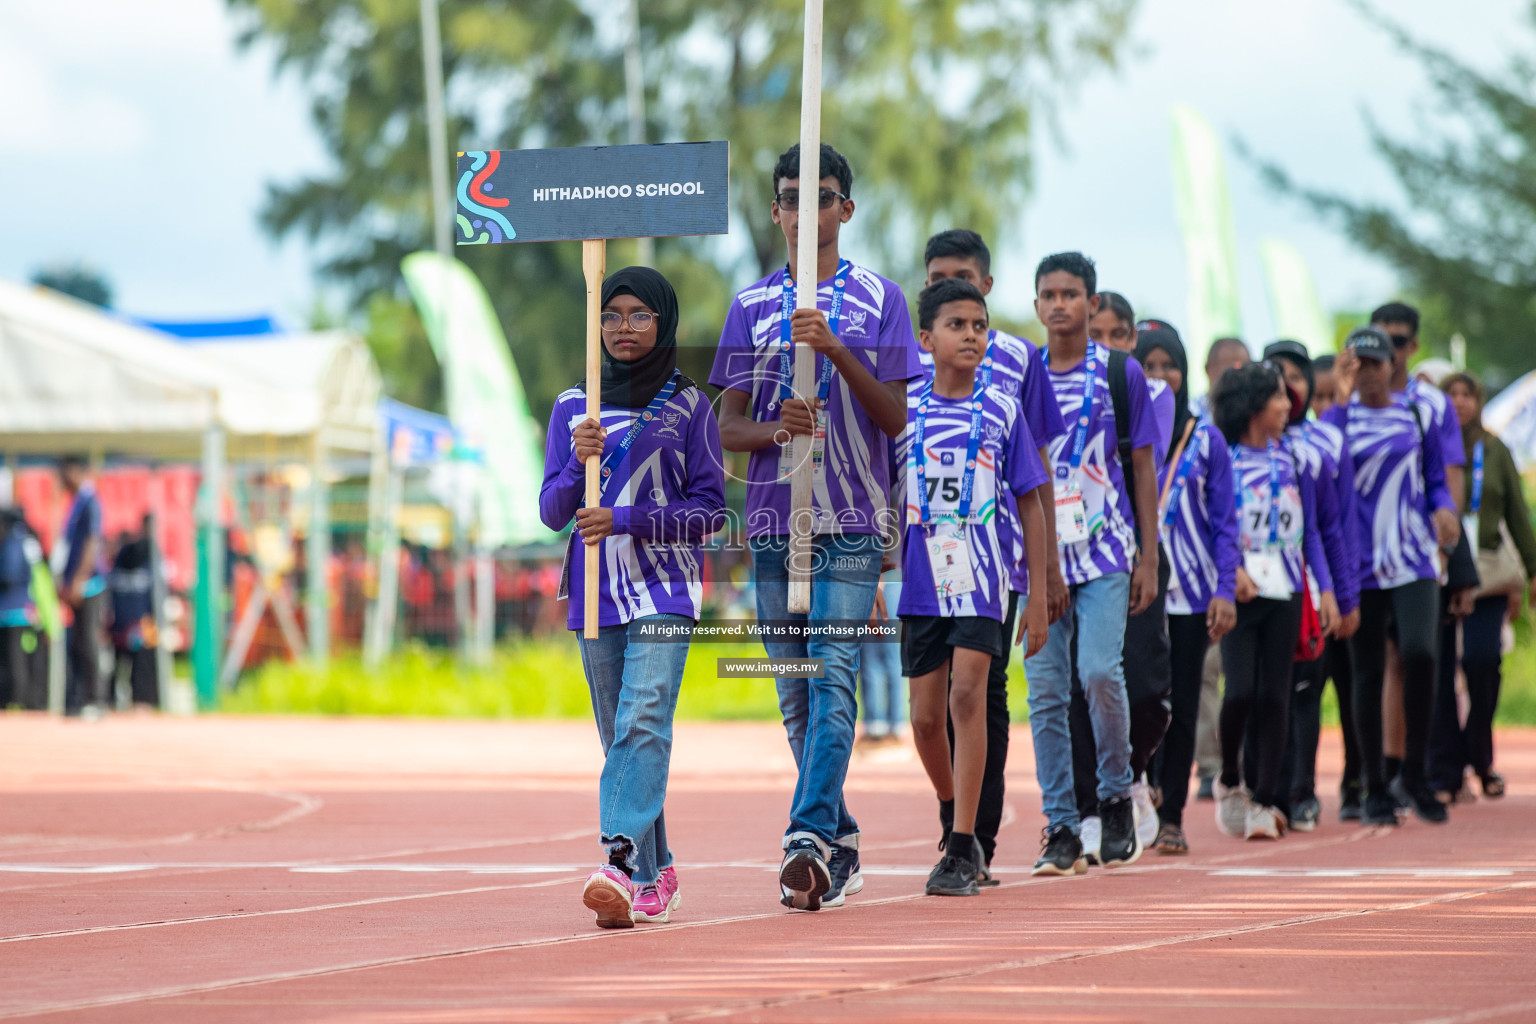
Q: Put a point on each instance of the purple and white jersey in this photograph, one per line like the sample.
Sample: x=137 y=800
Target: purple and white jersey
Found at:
x=1439 y=421
x=1319 y=448
x=1162 y=399
x=1007 y=464
x=1201 y=539
x=850 y=495
x=1295 y=534
x=1018 y=372
x=667 y=494
x=1111 y=543
x=1397 y=473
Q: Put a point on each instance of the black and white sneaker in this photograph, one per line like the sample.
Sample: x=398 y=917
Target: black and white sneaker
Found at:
x=953 y=876
x=804 y=877
x=983 y=869
x=1120 y=845
x=843 y=865
x=1421 y=801
x=1350 y=807
x=1378 y=809
x=1061 y=853
x=1304 y=814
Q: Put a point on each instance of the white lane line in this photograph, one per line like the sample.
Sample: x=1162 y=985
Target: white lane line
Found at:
x=632 y=934
x=311 y=867
x=1490 y=1013
x=172 y=922
x=939 y=977
x=203 y=867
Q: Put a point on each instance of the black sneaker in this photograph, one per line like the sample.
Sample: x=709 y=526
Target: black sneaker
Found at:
x=1207 y=790
x=952 y=876
x=1120 y=845
x=804 y=877
x=1421 y=801
x=1378 y=809
x=983 y=868
x=1061 y=853
x=1305 y=813
x=1349 y=802
x=1400 y=797
x=846 y=878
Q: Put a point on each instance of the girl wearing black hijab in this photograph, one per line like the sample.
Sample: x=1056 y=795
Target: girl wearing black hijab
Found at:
x=663 y=493
x=1198 y=527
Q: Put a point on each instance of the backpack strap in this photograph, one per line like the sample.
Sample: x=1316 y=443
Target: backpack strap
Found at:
x=1120 y=398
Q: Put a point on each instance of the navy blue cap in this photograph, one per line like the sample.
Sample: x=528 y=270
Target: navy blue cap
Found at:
x=1369 y=343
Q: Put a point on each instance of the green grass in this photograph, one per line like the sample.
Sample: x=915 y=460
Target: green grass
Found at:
x=528 y=679
x=543 y=679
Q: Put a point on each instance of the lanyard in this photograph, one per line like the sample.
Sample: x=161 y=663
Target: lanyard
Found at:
x=1477 y=477
x=920 y=456
x=986 y=363
x=1274 y=489
x=834 y=317
x=1181 y=476
x=627 y=441
x=1085 y=414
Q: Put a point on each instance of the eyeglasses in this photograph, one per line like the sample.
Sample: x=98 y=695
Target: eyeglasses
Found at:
x=638 y=321
x=789 y=199
x=1399 y=340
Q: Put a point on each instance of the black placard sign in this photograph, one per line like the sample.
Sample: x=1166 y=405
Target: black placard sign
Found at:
x=554 y=195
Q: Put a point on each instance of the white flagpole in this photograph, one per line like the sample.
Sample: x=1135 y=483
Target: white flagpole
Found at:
x=801 y=481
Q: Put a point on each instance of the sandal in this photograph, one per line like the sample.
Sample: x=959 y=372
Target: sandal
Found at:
x=1493 y=785
x=1171 y=841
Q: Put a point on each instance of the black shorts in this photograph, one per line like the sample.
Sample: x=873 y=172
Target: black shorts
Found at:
x=927 y=641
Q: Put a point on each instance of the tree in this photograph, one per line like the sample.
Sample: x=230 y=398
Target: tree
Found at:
x=935 y=103
x=1466 y=246
x=76 y=279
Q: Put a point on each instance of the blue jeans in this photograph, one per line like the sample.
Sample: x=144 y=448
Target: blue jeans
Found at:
x=1097 y=615
x=883 y=685
x=819 y=714
x=634 y=686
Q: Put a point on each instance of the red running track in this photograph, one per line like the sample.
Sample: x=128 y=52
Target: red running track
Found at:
x=394 y=872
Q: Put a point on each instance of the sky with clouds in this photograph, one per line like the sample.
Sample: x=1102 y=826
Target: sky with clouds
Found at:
x=135 y=137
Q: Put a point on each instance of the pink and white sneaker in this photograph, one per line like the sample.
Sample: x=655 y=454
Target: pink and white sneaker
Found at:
x=655 y=902
x=610 y=894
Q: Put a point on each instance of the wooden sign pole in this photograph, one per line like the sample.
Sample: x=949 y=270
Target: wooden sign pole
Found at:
x=594 y=261
x=801 y=480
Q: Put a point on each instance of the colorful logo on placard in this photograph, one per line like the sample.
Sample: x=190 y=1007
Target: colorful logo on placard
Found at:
x=484 y=224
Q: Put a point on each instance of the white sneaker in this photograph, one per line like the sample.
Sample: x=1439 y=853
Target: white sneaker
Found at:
x=1263 y=822
x=1146 y=814
x=1232 y=810
x=1091 y=832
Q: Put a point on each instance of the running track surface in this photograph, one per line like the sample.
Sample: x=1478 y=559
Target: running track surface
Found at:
x=394 y=872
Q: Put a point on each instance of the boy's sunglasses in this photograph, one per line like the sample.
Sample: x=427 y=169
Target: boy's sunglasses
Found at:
x=789 y=199
x=638 y=321
x=1399 y=340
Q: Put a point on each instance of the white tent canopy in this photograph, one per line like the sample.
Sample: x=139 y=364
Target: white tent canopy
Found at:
x=73 y=378
x=330 y=377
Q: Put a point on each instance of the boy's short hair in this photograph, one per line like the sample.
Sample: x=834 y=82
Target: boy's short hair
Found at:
x=1322 y=362
x=833 y=165
x=1074 y=263
x=73 y=461
x=935 y=296
x=1397 y=313
x=1221 y=345
x=1242 y=394
x=960 y=243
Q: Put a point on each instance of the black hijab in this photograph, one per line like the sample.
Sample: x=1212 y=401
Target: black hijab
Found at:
x=634 y=384
x=1153 y=334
